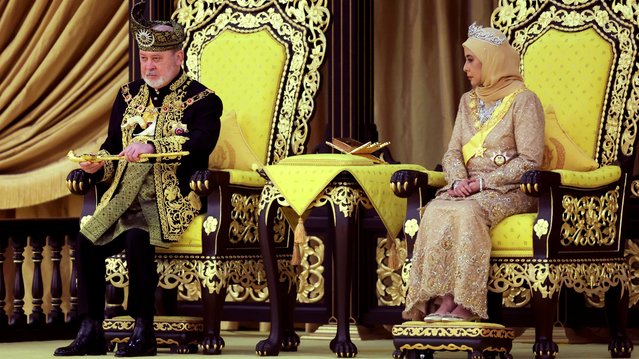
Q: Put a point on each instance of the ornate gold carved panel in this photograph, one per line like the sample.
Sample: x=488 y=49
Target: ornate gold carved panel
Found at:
x=590 y=220
x=390 y=287
x=592 y=278
x=244 y=218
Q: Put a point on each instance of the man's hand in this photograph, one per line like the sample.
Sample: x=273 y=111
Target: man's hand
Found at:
x=91 y=167
x=465 y=188
x=133 y=151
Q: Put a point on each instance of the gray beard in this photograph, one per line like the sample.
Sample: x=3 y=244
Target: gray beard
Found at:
x=155 y=84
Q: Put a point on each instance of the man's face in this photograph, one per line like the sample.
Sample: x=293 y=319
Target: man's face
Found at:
x=158 y=68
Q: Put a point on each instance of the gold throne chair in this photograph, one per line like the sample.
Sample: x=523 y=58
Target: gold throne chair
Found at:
x=581 y=59
x=262 y=58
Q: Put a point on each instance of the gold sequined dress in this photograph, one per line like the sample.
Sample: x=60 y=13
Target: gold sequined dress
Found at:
x=452 y=249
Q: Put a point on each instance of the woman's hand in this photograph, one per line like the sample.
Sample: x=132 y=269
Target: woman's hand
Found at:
x=465 y=188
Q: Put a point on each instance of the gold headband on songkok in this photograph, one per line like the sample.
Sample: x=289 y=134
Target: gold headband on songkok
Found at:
x=150 y=39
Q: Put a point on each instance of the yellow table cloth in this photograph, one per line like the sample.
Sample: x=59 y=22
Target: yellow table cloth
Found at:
x=300 y=179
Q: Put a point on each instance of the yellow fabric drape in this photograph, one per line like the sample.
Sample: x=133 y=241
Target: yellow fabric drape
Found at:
x=418 y=72
x=61 y=63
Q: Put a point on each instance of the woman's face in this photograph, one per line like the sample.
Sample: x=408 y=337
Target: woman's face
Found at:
x=472 y=68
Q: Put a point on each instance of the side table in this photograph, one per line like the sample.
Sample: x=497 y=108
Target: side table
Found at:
x=345 y=196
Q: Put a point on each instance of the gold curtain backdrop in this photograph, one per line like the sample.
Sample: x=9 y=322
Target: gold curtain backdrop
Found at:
x=418 y=72
x=61 y=63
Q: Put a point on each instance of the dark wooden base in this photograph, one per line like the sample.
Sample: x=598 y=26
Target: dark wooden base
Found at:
x=480 y=340
x=181 y=334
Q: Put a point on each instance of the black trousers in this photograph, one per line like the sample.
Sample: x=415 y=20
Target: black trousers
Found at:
x=143 y=277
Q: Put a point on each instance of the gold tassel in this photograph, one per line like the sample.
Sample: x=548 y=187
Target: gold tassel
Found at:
x=299 y=236
x=393 y=256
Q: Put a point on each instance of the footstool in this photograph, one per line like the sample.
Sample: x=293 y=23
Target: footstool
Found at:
x=181 y=334
x=416 y=339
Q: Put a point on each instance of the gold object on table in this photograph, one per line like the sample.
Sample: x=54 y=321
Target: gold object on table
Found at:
x=354 y=147
x=89 y=157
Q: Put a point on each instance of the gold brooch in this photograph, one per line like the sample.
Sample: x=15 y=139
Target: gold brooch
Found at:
x=500 y=158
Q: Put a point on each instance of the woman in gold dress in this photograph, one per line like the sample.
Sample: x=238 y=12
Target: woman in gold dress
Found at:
x=497 y=137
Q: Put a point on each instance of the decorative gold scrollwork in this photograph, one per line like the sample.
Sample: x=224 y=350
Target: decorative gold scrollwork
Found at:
x=345 y=197
x=632 y=255
x=590 y=220
x=189 y=275
x=390 y=287
x=310 y=285
x=116 y=271
x=244 y=217
x=453 y=332
x=592 y=278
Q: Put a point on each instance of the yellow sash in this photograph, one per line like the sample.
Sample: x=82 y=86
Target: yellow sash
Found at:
x=475 y=147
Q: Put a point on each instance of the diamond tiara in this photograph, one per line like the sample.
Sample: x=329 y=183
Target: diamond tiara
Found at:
x=484 y=34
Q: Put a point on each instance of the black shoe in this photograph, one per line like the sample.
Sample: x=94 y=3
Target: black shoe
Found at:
x=89 y=341
x=142 y=341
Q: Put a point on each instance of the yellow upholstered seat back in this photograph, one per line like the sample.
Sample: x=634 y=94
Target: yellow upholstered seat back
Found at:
x=245 y=70
x=570 y=71
x=263 y=61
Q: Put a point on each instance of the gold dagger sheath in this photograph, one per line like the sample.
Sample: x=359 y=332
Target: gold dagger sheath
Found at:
x=143 y=157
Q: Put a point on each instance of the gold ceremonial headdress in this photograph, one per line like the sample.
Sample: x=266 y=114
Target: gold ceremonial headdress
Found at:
x=148 y=38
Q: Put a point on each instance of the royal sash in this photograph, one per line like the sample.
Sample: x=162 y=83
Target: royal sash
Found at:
x=475 y=147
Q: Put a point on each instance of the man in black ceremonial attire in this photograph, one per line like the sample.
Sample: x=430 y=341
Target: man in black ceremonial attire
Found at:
x=148 y=203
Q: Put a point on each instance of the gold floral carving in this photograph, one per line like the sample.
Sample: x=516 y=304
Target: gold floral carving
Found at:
x=244 y=217
x=411 y=227
x=541 y=227
x=310 y=284
x=344 y=197
x=632 y=255
x=590 y=220
x=299 y=25
x=572 y=16
x=210 y=225
x=591 y=277
x=390 y=286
